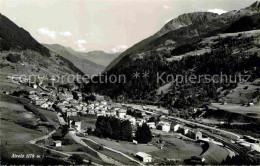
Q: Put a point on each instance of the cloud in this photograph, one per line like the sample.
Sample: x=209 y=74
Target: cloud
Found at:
x=218 y=11
x=46 y=31
x=80 y=44
x=166 y=7
x=66 y=33
x=53 y=34
x=119 y=48
x=89 y=34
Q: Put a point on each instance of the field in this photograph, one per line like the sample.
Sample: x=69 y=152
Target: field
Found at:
x=176 y=149
x=7 y=85
x=88 y=121
x=50 y=115
x=251 y=111
x=125 y=147
x=215 y=154
x=15 y=130
x=76 y=148
x=114 y=155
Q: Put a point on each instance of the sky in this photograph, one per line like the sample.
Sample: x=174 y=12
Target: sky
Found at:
x=108 y=25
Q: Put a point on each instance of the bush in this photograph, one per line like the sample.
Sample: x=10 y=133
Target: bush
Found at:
x=76 y=158
x=13 y=58
x=21 y=92
x=67 y=142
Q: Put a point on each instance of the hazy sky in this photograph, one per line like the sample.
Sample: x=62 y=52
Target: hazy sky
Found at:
x=109 y=25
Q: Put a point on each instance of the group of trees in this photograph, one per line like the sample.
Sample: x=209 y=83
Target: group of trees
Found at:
x=13 y=58
x=61 y=132
x=136 y=114
x=143 y=134
x=114 y=128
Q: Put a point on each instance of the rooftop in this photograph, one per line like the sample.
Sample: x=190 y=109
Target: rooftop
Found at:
x=142 y=154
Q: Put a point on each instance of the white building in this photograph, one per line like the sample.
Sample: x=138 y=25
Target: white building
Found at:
x=103 y=102
x=76 y=123
x=151 y=125
x=57 y=143
x=131 y=119
x=166 y=127
x=44 y=105
x=121 y=113
x=144 y=157
x=175 y=127
x=35 y=86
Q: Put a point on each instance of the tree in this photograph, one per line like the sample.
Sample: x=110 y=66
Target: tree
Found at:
x=111 y=127
x=89 y=162
x=89 y=130
x=126 y=131
x=143 y=134
x=77 y=159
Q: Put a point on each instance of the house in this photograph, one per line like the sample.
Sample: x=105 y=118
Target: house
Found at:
x=175 y=126
x=57 y=143
x=121 y=113
x=40 y=101
x=184 y=130
x=140 y=122
x=144 y=157
x=44 y=105
x=131 y=119
x=84 y=109
x=151 y=125
x=198 y=135
x=111 y=113
x=103 y=103
x=75 y=122
x=68 y=96
x=135 y=142
x=91 y=112
x=195 y=134
x=32 y=92
x=71 y=112
x=35 y=86
x=164 y=126
x=99 y=114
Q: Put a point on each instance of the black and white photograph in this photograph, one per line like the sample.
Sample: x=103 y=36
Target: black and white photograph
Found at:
x=129 y=82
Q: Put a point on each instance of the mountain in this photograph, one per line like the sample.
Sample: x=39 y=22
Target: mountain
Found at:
x=186 y=46
x=182 y=29
x=86 y=66
x=20 y=53
x=14 y=37
x=99 y=57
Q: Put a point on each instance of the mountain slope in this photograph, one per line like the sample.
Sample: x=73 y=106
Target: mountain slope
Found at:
x=20 y=53
x=182 y=29
x=99 y=57
x=85 y=65
x=14 y=37
x=199 y=49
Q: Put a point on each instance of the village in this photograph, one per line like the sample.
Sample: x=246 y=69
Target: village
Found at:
x=72 y=106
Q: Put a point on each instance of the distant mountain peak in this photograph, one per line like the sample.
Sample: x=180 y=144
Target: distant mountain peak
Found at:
x=97 y=51
x=186 y=20
x=255 y=6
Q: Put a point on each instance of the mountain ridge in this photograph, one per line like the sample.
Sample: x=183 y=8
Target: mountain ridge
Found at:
x=86 y=66
x=185 y=32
